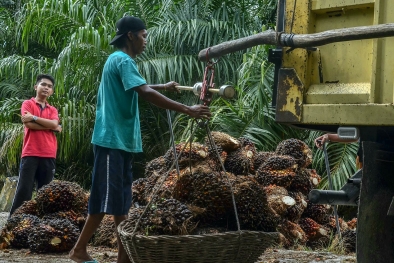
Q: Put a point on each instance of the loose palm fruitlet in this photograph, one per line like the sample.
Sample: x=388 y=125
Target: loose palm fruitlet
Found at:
x=56 y=235
x=106 y=233
x=28 y=207
x=61 y=196
x=18 y=228
x=206 y=189
x=296 y=149
x=223 y=140
x=279 y=170
x=187 y=154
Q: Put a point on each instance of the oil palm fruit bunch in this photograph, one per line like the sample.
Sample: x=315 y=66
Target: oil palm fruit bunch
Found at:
x=55 y=235
x=319 y=213
x=349 y=237
x=138 y=188
x=252 y=208
x=213 y=160
x=61 y=196
x=331 y=225
x=279 y=170
x=106 y=233
x=297 y=149
x=77 y=219
x=293 y=233
x=241 y=161
x=313 y=230
x=305 y=180
x=278 y=199
x=223 y=140
x=262 y=157
x=206 y=189
x=28 y=207
x=155 y=166
x=295 y=212
x=187 y=154
x=352 y=224
x=18 y=228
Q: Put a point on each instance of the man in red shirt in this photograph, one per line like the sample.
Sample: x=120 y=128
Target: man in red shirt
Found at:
x=40 y=120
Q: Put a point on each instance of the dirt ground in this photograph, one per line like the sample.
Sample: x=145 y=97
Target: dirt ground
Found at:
x=106 y=255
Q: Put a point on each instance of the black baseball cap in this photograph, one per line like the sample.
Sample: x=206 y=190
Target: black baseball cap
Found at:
x=127 y=24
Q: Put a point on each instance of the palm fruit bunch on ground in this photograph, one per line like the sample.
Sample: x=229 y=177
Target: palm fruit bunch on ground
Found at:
x=105 y=235
x=49 y=223
x=53 y=235
x=270 y=190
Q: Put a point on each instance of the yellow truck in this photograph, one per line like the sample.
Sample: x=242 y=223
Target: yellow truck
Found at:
x=334 y=67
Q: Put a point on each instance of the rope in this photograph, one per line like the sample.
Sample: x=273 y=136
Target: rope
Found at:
x=331 y=187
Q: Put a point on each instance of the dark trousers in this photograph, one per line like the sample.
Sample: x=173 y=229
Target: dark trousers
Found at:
x=32 y=170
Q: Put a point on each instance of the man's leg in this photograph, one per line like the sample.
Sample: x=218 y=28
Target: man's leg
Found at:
x=79 y=253
x=122 y=254
x=45 y=171
x=24 y=189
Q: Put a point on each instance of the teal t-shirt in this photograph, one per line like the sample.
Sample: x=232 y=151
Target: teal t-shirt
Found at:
x=117 y=124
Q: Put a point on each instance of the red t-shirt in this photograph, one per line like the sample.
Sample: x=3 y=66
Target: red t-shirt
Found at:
x=40 y=143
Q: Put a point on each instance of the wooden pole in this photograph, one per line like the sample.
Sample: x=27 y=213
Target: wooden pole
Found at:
x=270 y=37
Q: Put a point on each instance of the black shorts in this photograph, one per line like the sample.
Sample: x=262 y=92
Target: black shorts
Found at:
x=112 y=180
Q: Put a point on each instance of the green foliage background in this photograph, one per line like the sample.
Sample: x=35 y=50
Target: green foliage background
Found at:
x=70 y=39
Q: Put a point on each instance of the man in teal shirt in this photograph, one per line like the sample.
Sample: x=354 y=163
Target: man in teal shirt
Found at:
x=117 y=131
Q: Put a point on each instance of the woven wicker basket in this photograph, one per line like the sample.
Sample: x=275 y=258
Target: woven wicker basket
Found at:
x=227 y=247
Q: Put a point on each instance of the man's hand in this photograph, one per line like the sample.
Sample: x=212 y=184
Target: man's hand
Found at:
x=320 y=141
x=27 y=117
x=171 y=86
x=58 y=128
x=199 y=112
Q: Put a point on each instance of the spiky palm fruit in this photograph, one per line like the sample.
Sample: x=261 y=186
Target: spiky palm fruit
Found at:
x=332 y=225
x=349 y=238
x=166 y=217
x=206 y=189
x=279 y=170
x=293 y=233
x=352 y=224
x=262 y=157
x=305 y=181
x=295 y=212
x=55 y=235
x=213 y=160
x=319 y=213
x=138 y=188
x=28 y=207
x=254 y=213
x=77 y=219
x=161 y=190
x=240 y=161
x=157 y=165
x=105 y=235
x=187 y=154
x=223 y=140
x=296 y=149
x=278 y=199
x=61 y=196
x=18 y=229
x=313 y=230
